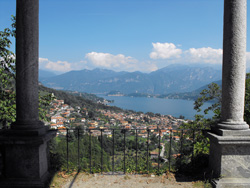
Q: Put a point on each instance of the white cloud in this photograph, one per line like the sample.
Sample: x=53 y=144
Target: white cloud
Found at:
x=204 y=55
x=165 y=51
x=41 y=60
x=99 y=60
x=170 y=52
x=248 y=59
x=60 y=66
x=147 y=66
x=108 y=60
x=118 y=62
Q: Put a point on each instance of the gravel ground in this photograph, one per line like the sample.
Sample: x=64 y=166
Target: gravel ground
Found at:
x=80 y=180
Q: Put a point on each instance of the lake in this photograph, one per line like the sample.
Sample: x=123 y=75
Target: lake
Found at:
x=174 y=107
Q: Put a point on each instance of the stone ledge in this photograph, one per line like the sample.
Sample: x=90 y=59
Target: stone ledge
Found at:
x=8 y=137
x=24 y=132
x=231 y=182
x=240 y=140
x=224 y=132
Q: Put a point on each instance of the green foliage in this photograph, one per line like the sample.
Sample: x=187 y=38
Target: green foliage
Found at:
x=77 y=100
x=44 y=105
x=88 y=96
x=199 y=147
x=247 y=100
x=202 y=146
x=7 y=81
x=80 y=160
x=196 y=167
x=7 y=77
x=181 y=117
x=93 y=147
x=201 y=143
x=212 y=94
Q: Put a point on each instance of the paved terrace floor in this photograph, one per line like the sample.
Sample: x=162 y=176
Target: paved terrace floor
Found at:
x=74 y=180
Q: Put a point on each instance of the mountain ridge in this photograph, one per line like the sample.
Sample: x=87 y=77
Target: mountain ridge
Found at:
x=170 y=79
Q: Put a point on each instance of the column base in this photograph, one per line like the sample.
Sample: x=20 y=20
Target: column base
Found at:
x=28 y=128
x=25 y=159
x=229 y=159
x=232 y=125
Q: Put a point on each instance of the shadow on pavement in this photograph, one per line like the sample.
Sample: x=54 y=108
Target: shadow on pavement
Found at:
x=73 y=181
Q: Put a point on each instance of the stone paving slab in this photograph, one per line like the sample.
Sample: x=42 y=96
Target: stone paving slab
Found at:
x=122 y=181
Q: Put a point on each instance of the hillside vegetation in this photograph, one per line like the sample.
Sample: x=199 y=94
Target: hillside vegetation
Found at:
x=89 y=101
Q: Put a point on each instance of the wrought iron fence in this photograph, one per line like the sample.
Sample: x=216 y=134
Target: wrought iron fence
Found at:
x=121 y=151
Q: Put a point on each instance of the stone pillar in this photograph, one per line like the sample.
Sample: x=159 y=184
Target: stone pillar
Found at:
x=230 y=138
x=25 y=144
x=234 y=65
x=27 y=37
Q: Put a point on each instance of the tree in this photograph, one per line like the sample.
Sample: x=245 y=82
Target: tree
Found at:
x=201 y=143
x=44 y=105
x=91 y=114
x=157 y=114
x=181 y=117
x=213 y=94
x=7 y=77
x=247 y=100
x=7 y=81
x=151 y=114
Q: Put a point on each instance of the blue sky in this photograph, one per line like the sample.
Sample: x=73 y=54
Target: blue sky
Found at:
x=126 y=35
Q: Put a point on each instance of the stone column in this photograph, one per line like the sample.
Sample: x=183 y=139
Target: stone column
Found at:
x=25 y=144
x=234 y=65
x=27 y=37
x=229 y=157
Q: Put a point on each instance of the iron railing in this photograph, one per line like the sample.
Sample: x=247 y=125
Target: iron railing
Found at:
x=121 y=151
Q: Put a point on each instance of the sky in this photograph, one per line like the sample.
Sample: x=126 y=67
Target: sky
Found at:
x=126 y=35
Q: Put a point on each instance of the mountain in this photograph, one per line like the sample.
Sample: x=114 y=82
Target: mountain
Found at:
x=173 y=78
x=193 y=95
x=219 y=82
x=79 y=80
x=43 y=74
x=125 y=83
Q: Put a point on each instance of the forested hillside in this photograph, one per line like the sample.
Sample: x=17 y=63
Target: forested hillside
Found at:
x=89 y=101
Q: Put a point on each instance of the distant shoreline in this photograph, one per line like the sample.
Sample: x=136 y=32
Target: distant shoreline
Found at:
x=157 y=105
x=184 y=96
